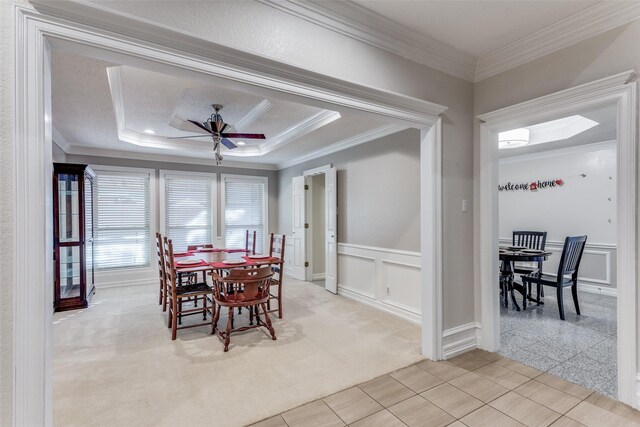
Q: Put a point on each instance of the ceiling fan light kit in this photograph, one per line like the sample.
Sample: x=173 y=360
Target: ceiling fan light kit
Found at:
x=216 y=128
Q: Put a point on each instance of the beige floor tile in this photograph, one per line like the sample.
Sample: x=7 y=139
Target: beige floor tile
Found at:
x=382 y=418
x=446 y=371
x=489 y=417
x=386 y=390
x=416 y=379
x=455 y=401
x=548 y=396
x=312 y=414
x=456 y=424
x=469 y=361
x=566 y=422
x=487 y=355
x=479 y=387
x=614 y=406
x=518 y=367
x=276 y=421
x=352 y=404
x=562 y=385
x=503 y=376
x=524 y=410
x=417 y=411
x=594 y=416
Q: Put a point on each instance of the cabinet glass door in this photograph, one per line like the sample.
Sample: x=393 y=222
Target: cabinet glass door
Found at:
x=88 y=225
x=69 y=235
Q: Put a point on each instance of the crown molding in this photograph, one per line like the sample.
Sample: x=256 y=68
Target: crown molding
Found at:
x=59 y=139
x=344 y=144
x=308 y=125
x=587 y=23
x=256 y=112
x=361 y=24
x=80 y=150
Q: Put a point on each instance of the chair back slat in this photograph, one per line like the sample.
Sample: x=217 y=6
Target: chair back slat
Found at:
x=250 y=284
x=169 y=266
x=160 y=252
x=276 y=249
x=571 y=256
x=250 y=242
x=530 y=239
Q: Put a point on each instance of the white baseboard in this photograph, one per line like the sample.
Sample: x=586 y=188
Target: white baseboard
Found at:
x=595 y=289
x=460 y=339
x=120 y=284
x=405 y=314
x=319 y=276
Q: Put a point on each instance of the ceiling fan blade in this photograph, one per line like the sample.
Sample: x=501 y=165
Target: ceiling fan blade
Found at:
x=200 y=125
x=243 y=135
x=189 y=137
x=227 y=143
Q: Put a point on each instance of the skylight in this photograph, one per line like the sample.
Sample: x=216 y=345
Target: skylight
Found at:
x=555 y=130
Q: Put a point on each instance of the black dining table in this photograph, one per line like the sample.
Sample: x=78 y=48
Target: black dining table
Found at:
x=508 y=256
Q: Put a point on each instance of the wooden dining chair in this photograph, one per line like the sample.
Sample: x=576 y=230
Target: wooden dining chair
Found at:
x=276 y=249
x=196 y=247
x=242 y=288
x=176 y=294
x=161 y=272
x=250 y=242
x=567 y=273
x=530 y=240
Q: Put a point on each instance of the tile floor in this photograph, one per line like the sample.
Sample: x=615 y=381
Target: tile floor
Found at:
x=474 y=389
x=582 y=349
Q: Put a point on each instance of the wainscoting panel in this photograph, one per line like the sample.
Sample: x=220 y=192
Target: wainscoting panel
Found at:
x=387 y=279
x=597 y=269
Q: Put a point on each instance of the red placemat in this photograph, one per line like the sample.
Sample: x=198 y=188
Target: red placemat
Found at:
x=234 y=250
x=208 y=250
x=200 y=264
x=222 y=265
x=260 y=260
x=180 y=254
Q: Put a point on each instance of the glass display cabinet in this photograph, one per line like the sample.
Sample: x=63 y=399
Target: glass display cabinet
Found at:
x=73 y=192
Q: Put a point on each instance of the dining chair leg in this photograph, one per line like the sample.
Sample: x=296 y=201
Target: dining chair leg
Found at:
x=574 y=292
x=267 y=321
x=538 y=293
x=216 y=317
x=169 y=316
x=161 y=294
x=560 y=303
x=204 y=307
x=227 y=337
x=174 y=321
x=280 y=300
x=164 y=297
x=250 y=316
x=180 y=312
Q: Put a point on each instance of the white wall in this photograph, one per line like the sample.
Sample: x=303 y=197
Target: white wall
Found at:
x=580 y=206
x=583 y=205
x=318 y=224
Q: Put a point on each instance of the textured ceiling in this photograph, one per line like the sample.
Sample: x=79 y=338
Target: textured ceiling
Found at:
x=475 y=27
x=605 y=115
x=106 y=106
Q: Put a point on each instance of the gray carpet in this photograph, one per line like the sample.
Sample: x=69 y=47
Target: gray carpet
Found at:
x=582 y=349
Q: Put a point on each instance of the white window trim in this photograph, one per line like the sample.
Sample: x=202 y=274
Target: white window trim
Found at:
x=133 y=275
x=253 y=178
x=164 y=173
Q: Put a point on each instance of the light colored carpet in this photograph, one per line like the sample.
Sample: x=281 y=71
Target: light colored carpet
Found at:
x=115 y=363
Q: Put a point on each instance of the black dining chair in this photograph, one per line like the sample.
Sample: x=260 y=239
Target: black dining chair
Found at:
x=530 y=240
x=569 y=264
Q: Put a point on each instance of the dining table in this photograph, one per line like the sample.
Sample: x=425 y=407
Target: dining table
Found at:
x=508 y=256
x=206 y=259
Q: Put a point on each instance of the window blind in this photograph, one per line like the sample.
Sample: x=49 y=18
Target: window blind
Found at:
x=122 y=220
x=189 y=210
x=244 y=209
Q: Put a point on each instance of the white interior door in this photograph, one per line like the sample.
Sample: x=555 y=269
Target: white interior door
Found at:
x=331 y=231
x=298 y=268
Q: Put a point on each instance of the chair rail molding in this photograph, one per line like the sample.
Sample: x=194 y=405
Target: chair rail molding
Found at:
x=90 y=29
x=620 y=89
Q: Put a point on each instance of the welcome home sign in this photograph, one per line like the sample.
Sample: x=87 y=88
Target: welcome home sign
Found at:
x=531 y=186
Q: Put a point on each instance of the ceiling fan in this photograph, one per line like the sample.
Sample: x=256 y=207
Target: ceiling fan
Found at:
x=216 y=127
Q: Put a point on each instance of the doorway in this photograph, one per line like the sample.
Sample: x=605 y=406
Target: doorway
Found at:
x=560 y=181
x=620 y=90
x=315 y=234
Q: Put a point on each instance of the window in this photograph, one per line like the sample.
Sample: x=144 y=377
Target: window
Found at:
x=123 y=219
x=189 y=208
x=245 y=208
